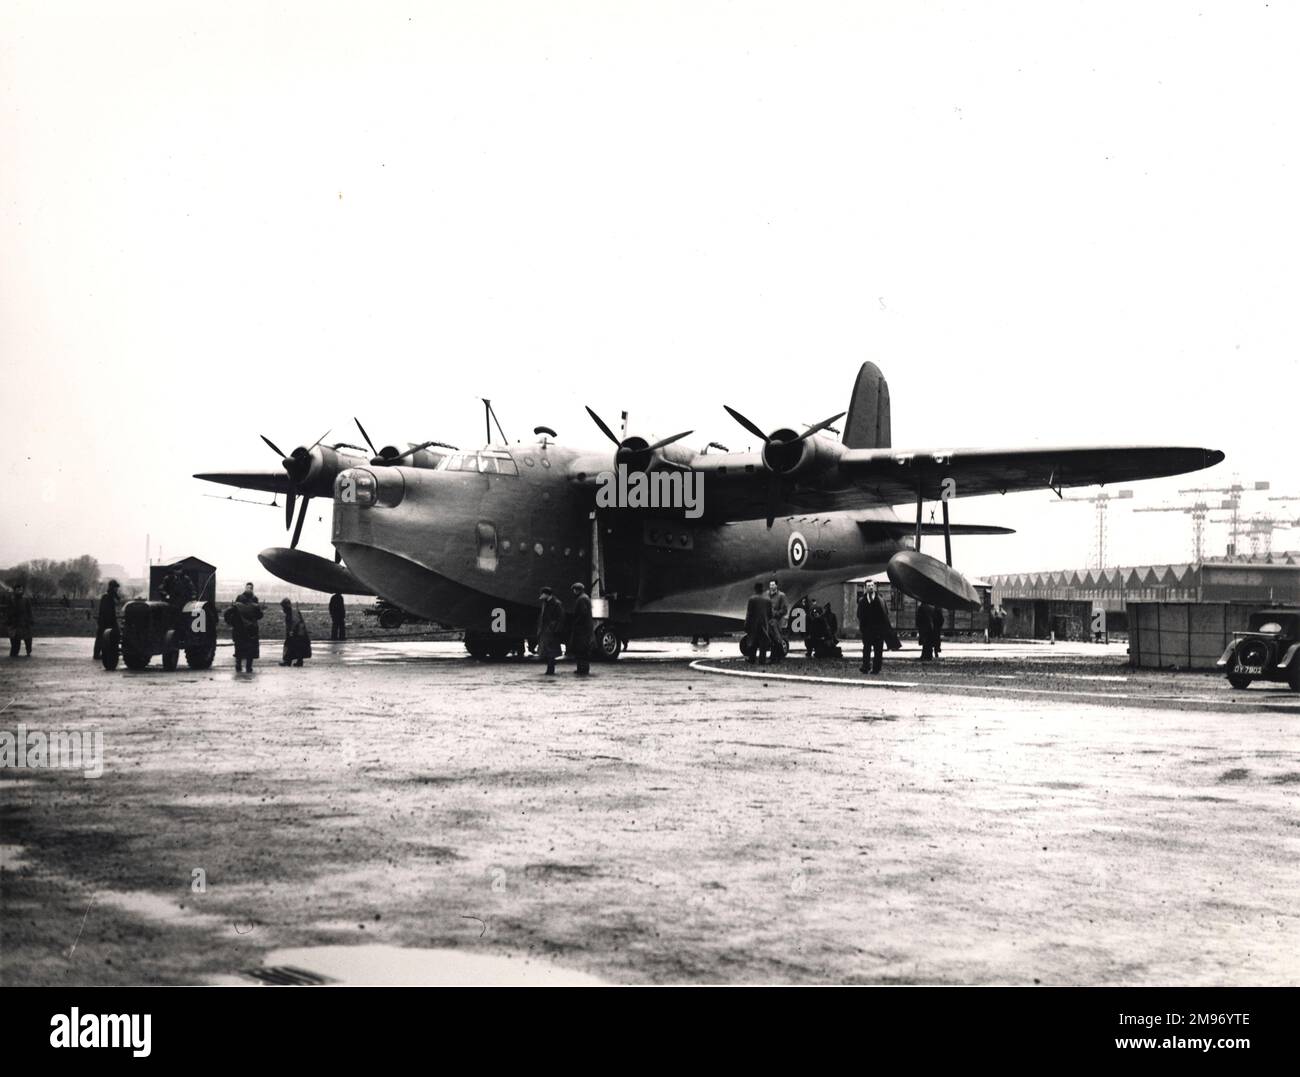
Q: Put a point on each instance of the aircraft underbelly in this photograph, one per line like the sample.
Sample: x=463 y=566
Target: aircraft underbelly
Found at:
x=726 y=602
x=422 y=591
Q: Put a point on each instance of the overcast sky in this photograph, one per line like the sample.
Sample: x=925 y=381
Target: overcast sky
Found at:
x=1066 y=223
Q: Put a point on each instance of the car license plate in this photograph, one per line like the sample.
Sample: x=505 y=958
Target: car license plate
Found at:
x=1248 y=669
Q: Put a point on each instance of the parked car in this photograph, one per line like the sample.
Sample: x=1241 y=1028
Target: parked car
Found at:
x=1269 y=649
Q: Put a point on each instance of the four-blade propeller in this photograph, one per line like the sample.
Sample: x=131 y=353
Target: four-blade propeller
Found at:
x=781 y=452
x=389 y=455
x=297 y=466
x=634 y=451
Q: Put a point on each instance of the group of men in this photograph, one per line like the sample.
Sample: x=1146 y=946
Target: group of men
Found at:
x=550 y=630
x=878 y=632
x=767 y=622
x=242 y=616
x=769 y=618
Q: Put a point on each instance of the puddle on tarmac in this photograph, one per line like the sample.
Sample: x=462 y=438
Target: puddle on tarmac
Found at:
x=11 y=857
x=397 y=966
x=160 y=910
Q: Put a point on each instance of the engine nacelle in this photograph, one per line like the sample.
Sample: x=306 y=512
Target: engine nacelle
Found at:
x=638 y=454
x=314 y=470
x=786 y=454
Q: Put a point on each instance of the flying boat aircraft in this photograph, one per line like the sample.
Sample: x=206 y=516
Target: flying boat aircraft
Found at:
x=467 y=538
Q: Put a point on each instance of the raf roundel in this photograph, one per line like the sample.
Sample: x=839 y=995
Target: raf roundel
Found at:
x=796 y=550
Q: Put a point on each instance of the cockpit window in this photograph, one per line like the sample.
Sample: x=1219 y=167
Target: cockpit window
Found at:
x=501 y=462
x=487 y=462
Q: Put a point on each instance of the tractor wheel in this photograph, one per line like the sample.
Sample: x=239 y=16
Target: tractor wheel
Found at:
x=134 y=660
x=110 y=650
x=1239 y=680
x=200 y=657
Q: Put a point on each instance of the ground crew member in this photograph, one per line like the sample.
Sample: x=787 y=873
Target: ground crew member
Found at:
x=780 y=619
x=247 y=595
x=818 y=633
x=550 y=620
x=297 y=642
x=997 y=621
x=874 y=627
x=821 y=633
x=832 y=623
x=176 y=588
x=20 y=621
x=108 y=604
x=758 y=625
x=928 y=622
x=580 y=634
x=338 y=621
x=242 y=617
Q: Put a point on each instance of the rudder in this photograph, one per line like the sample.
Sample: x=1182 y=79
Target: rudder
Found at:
x=867 y=426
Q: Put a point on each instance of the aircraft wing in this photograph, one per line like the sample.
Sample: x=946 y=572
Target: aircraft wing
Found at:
x=272 y=482
x=738 y=487
x=894 y=476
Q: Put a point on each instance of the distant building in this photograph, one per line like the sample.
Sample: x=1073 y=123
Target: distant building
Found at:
x=1065 y=602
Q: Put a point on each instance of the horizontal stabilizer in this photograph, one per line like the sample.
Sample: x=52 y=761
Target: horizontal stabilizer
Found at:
x=304 y=569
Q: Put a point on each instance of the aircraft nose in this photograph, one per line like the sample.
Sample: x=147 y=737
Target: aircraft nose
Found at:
x=1214 y=456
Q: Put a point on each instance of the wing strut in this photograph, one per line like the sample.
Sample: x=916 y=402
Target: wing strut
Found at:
x=947 y=535
x=917 y=545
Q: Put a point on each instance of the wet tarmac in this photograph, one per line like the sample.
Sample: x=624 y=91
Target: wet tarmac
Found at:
x=396 y=812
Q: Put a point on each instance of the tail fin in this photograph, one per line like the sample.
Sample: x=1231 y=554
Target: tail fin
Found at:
x=867 y=426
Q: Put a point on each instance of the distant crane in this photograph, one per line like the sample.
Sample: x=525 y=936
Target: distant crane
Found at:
x=1198 y=511
x=1259 y=530
x=1293 y=499
x=1233 y=502
x=1102 y=501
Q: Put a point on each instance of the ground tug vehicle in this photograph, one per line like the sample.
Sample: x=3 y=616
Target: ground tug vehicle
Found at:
x=161 y=625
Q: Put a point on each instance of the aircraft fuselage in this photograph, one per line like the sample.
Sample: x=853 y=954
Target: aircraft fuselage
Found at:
x=473 y=548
